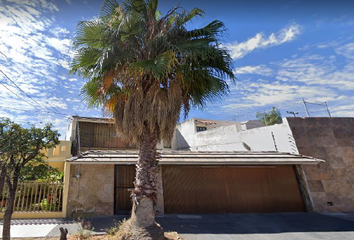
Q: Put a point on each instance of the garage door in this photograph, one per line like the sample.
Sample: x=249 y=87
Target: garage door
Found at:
x=231 y=189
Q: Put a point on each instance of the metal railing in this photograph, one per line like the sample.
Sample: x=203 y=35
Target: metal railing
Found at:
x=35 y=197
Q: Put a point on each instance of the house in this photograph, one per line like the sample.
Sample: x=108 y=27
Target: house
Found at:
x=56 y=156
x=100 y=174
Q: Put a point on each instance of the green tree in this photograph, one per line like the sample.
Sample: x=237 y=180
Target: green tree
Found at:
x=270 y=118
x=18 y=147
x=145 y=68
x=39 y=170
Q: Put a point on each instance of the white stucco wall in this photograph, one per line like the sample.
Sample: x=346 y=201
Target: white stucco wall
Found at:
x=261 y=139
x=229 y=139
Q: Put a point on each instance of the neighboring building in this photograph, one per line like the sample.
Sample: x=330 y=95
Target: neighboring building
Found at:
x=56 y=156
x=331 y=184
x=209 y=135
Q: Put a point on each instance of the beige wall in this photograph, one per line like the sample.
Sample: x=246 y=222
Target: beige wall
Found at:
x=330 y=139
x=56 y=156
x=92 y=194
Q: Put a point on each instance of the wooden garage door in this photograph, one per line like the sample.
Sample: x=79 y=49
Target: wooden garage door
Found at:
x=231 y=189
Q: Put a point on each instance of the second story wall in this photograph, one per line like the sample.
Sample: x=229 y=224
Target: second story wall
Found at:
x=99 y=134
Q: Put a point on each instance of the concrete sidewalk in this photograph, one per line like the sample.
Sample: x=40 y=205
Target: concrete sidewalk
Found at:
x=40 y=227
x=272 y=226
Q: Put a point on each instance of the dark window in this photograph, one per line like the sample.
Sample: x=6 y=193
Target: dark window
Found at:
x=200 y=129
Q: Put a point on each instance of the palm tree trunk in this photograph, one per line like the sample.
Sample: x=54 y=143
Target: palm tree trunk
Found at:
x=144 y=194
x=9 y=210
x=142 y=220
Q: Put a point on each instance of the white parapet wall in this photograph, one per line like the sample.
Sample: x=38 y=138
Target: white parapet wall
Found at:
x=228 y=138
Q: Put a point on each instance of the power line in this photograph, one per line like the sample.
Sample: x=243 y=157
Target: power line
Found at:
x=19 y=96
x=57 y=112
x=40 y=109
x=3 y=54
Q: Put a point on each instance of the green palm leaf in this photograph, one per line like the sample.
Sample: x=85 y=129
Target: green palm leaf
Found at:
x=142 y=65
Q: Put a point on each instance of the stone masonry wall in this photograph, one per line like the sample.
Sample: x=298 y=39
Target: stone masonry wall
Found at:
x=331 y=184
x=92 y=194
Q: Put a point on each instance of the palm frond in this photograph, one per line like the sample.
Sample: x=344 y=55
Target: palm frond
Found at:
x=146 y=69
x=109 y=8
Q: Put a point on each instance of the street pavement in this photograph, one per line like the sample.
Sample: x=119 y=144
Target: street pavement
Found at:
x=250 y=226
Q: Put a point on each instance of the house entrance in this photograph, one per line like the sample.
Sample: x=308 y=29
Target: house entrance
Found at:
x=124 y=177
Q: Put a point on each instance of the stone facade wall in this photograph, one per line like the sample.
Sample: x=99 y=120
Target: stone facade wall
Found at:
x=331 y=184
x=92 y=194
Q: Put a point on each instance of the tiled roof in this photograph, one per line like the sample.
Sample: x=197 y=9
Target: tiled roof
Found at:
x=195 y=158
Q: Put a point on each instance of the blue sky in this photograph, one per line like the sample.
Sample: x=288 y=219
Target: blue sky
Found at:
x=283 y=51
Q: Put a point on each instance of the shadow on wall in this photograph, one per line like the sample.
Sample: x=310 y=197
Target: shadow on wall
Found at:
x=181 y=141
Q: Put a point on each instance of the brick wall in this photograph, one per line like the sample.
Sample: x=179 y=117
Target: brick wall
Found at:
x=330 y=139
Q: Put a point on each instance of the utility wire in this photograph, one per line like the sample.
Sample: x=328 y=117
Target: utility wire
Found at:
x=19 y=96
x=40 y=109
x=3 y=54
x=57 y=112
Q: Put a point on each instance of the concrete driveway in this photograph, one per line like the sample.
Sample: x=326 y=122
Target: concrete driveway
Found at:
x=277 y=226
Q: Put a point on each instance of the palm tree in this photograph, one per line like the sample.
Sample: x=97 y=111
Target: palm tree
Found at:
x=145 y=69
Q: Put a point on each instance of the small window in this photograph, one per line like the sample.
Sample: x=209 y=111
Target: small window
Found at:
x=56 y=151
x=200 y=129
x=63 y=148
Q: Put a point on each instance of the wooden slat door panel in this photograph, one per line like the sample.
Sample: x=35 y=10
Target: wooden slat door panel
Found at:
x=124 y=178
x=232 y=189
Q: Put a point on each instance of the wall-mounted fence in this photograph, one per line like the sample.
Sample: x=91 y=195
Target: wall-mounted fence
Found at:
x=36 y=197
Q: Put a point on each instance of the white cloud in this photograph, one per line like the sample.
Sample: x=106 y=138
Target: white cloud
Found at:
x=346 y=50
x=34 y=45
x=315 y=77
x=317 y=70
x=60 y=32
x=274 y=93
x=239 y=50
x=259 y=70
